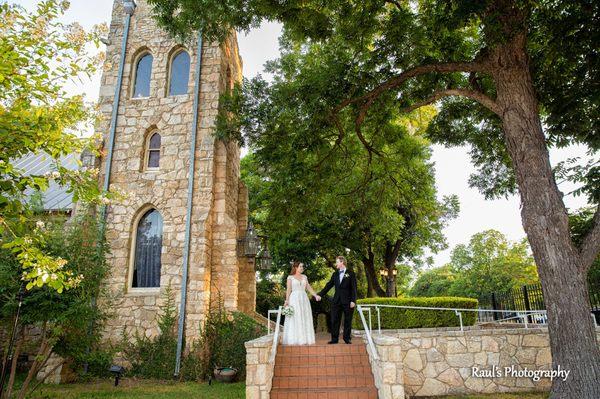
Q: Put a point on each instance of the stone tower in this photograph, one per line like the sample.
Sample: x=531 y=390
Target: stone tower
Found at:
x=153 y=127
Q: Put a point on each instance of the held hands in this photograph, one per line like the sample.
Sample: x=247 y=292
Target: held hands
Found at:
x=352 y=304
x=317 y=298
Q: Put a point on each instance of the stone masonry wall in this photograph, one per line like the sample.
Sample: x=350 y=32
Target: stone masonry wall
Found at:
x=259 y=371
x=440 y=362
x=213 y=235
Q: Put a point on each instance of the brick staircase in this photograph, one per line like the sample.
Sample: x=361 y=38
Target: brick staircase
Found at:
x=323 y=371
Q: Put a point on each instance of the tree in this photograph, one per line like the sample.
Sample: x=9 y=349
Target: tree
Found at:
x=499 y=69
x=490 y=263
x=434 y=282
x=322 y=195
x=38 y=57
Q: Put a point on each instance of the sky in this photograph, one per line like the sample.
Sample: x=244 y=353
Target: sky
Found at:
x=452 y=165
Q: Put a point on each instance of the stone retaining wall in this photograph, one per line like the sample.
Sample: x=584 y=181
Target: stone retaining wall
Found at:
x=441 y=362
x=387 y=370
x=259 y=371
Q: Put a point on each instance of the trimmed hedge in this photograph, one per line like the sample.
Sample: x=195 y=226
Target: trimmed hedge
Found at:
x=395 y=318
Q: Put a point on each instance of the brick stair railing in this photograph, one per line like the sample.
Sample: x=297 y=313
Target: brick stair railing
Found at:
x=323 y=371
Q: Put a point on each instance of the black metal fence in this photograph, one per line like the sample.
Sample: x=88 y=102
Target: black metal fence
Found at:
x=528 y=297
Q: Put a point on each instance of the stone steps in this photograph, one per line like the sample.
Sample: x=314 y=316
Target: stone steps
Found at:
x=323 y=371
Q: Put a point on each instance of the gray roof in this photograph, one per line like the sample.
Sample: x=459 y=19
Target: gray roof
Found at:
x=55 y=198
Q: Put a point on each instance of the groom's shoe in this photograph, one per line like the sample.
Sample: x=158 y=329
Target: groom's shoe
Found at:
x=332 y=342
x=348 y=342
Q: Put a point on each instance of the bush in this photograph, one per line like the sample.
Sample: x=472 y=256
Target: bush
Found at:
x=154 y=357
x=222 y=341
x=394 y=318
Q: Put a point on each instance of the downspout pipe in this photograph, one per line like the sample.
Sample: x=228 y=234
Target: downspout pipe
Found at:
x=188 y=217
x=129 y=8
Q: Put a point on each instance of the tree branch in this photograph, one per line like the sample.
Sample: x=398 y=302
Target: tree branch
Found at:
x=591 y=242
x=411 y=73
x=473 y=95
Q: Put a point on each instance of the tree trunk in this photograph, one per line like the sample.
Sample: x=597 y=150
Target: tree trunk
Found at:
x=545 y=220
x=13 y=366
x=373 y=284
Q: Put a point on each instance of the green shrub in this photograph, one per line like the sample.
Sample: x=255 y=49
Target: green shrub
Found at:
x=154 y=357
x=222 y=343
x=395 y=318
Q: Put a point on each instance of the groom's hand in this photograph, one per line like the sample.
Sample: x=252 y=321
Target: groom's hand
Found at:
x=352 y=304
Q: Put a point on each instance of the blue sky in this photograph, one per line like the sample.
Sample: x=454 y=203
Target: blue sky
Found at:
x=453 y=165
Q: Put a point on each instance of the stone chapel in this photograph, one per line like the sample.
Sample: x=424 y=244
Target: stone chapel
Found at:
x=159 y=112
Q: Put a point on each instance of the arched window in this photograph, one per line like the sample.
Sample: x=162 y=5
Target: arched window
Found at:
x=143 y=71
x=148 y=244
x=179 y=73
x=153 y=151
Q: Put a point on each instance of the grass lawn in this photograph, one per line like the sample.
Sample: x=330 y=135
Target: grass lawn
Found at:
x=532 y=395
x=133 y=389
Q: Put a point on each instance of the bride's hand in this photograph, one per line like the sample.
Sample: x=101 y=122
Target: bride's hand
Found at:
x=285 y=303
x=317 y=298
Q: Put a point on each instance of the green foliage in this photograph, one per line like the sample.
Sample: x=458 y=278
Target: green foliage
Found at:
x=580 y=223
x=398 y=318
x=222 y=340
x=489 y=263
x=38 y=57
x=269 y=295
x=433 y=282
x=72 y=322
x=154 y=357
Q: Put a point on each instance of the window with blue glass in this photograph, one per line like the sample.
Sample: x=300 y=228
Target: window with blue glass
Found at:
x=143 y=72
x=148 y=245
x=179 y=74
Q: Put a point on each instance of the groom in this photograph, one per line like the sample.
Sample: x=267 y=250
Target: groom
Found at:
x=344 y=299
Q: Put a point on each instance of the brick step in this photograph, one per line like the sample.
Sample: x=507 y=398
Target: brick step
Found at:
x=301 y=382
x=324 y=393
x=322 y=350
x=312 y=360
x=311 y=370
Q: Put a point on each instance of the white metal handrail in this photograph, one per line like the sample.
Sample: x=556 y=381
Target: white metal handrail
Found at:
x=276 y=333
x=368 y=332
x=521 y=314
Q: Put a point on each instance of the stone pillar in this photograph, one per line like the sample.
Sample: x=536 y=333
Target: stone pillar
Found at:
x=387 y=370
x=259 y=372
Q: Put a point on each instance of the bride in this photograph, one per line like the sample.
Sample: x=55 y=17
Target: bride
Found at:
x=298 y=328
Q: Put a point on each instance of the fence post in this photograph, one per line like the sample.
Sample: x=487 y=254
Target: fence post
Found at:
x=526 y=302
x=494 y=306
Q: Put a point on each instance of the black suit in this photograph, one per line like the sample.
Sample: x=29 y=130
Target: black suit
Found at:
x=345 y=292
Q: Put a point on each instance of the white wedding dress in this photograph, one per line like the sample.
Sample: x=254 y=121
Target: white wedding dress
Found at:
x=298 y=328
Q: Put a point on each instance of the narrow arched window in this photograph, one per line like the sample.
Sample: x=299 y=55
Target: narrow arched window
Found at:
x=153 y=151
x=179 y=73
x=143 y=72
x=148 y=244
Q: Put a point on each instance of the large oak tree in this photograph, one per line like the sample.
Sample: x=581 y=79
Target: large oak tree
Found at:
x=513 y=77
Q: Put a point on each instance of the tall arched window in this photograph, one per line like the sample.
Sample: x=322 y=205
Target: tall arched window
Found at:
x=153 y=151
x=179 y=73
x=143 y=72
x=148 y=244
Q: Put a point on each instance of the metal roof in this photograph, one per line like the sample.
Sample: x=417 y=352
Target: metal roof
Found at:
x=55 y=198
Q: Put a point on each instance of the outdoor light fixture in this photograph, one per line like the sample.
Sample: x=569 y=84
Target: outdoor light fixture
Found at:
x=264 y=261
x=117 y=371
x=251 y=246
x=384 y=272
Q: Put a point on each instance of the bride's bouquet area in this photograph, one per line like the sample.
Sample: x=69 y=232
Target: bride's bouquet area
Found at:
x=287 y=311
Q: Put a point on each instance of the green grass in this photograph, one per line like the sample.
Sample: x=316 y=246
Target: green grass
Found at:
x=134 y=389
x=531 y=395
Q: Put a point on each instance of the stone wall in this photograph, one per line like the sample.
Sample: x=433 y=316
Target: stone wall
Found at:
x=387 y=370
x=259 y=371
x=441 y=362
x=218 y=197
